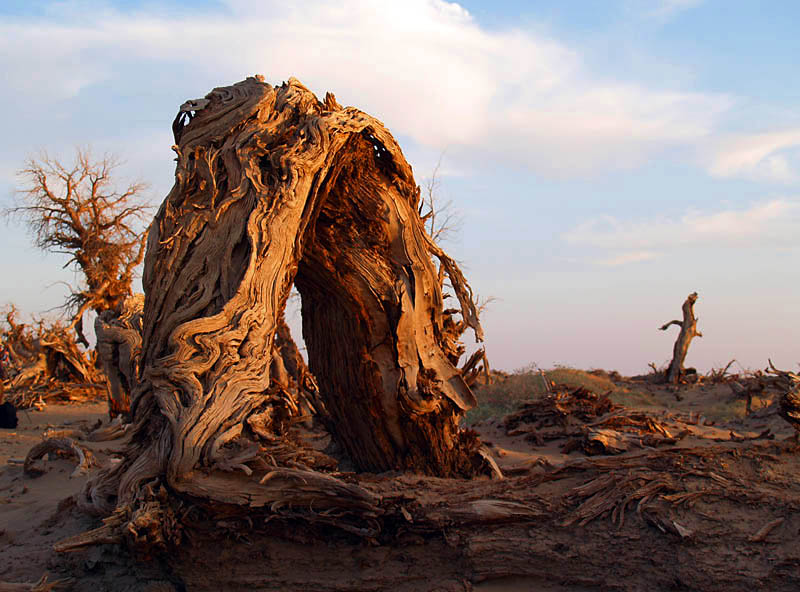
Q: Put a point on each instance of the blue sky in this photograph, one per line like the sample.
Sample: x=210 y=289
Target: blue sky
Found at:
x=607 y=157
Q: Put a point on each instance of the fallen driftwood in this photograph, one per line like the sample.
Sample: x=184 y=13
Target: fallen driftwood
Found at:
x=625 y=430
x=557 y=415
x=98 y=433
x=762 y=533
x=789 y=405
x=59 y=445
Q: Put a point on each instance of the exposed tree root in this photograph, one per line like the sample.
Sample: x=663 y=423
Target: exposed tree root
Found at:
x=41 y=586
x=59 y=445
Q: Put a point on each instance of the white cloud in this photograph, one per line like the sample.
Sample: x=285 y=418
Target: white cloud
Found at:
x=768 y=156
x=626 y=258
x=770 y=223
x=424 y=67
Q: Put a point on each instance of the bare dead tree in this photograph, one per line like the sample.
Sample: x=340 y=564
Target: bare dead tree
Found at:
x=440 y=218
x=688 y=332
x=77 y=210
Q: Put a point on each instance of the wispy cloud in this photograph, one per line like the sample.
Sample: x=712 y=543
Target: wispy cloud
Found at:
x=770 y=223
x=667 y=9
x=512 y=95
x=627 y=258
x=768 y=156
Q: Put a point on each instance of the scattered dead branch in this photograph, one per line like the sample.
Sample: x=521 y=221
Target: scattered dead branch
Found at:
x=718 y=375
x=97 y=433
x=764 y=531
x=559 y=414
x=49 y=366
x=789 y=407
x=627 y=430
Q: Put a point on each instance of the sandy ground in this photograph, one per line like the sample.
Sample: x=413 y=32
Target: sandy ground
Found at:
x=29 y=506
x=35 y=512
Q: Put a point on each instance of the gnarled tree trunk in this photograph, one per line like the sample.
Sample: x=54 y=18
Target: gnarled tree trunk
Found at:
x=688 y=332
x=119 y=348
x=274 y=187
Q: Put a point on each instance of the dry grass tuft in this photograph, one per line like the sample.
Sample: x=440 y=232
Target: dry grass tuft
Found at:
x=508 y=391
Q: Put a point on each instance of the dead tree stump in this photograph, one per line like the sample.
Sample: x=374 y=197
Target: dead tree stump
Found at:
x=273 y=188
x=688 y=332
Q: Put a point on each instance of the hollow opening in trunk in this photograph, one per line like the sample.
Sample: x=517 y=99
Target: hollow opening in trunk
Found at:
x=349 y=305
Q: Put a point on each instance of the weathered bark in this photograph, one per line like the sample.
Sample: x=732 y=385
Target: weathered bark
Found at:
x=119 y=348
x=274 y=187
x=688 y=332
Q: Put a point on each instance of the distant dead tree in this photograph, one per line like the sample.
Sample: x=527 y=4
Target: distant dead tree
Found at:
x=439 y=217
x=77 y=210
x=688 y=332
